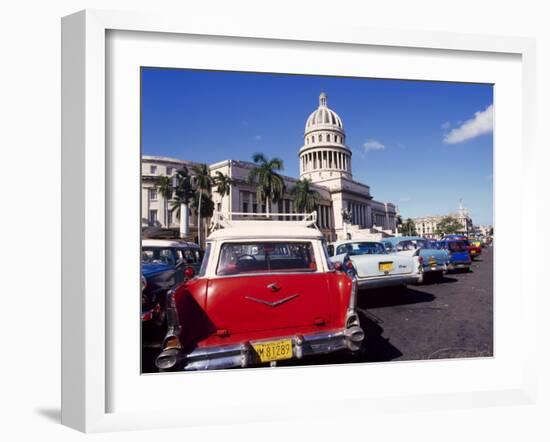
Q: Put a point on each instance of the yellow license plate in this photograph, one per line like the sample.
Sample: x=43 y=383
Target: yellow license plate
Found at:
x=274 y=351
x=385 y=266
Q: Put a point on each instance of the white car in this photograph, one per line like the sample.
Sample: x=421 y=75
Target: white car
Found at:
x=373 y=266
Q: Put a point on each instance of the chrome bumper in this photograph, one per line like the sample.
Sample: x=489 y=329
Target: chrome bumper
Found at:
x=459 y=265
x=437 y=268
x=387 y=281
x=243 y=355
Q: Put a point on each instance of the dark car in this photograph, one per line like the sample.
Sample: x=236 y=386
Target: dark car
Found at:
x=163 y=266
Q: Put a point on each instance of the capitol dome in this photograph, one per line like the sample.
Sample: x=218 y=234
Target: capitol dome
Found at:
x=324 y=117
x=324 y=154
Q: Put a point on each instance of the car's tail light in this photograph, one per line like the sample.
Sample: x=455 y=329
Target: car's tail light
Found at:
x=349 y=265
x=189 y=272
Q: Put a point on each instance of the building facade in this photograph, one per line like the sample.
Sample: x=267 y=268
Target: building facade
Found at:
x=324 y=158
x=427 y=225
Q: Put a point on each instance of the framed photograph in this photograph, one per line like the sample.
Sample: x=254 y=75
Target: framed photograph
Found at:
x=291 y=222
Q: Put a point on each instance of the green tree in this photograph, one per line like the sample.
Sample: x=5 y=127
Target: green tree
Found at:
x=202 y=186
x=398 y=222
x=270 y=185
x=223 y=184
x=448 y=225
x=407 y=228
x=166 y=189
x=305 y=198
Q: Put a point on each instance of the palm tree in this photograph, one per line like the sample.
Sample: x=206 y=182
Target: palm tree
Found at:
x=165 y=188
x=408 y=227
x=183 y=191
x=270 y=185
x=202 y=184
x=305 y=198
x=223 y=184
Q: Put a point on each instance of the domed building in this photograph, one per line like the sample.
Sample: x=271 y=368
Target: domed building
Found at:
x=324 y=158
x=324 y=153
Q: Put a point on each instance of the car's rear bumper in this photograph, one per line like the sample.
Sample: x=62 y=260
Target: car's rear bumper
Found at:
x=244 y=355
x=387 y=281
x=436 y=268
x=459 y=265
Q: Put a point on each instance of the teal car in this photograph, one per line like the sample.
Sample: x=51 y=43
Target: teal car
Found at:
x=431 y=260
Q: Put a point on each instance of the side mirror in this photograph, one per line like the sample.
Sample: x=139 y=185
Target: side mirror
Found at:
x=189 y=272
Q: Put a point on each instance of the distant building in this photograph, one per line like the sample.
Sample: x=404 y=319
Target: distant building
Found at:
x=324 y=158
x=427 y=225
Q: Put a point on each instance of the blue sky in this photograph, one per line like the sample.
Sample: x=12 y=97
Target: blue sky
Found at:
x=421 y=145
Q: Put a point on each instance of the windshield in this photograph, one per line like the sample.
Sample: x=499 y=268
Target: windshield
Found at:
x=361 y=248
x=406 y=245
x=160 y=255
x=266 y=257
x=421 y=244
x=457 y=246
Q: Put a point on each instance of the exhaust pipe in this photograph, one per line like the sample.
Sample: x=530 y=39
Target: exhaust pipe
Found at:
x=168 y=359
x=354 y=337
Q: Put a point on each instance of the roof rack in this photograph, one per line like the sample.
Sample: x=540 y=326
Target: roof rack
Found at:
x=239 y=219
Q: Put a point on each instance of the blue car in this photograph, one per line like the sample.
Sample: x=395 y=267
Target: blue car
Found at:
x=431 y=260
x=459 y=254
x=156 y=280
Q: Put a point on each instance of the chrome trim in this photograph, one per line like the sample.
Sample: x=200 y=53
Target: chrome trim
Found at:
x=386 y=281
x=243 y=355
x=274 y=303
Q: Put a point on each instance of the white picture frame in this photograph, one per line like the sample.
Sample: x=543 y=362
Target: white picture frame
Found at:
x=86 y=351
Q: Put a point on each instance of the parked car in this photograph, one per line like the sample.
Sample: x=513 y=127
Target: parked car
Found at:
x=179 y=254
x=458 y=254
x=473 y=249
x=163 y=265
x=432 y=261
x=373 y=266
x=265 y=292
x=156 y=280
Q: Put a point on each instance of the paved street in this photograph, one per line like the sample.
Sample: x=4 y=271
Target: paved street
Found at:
x=452 y=318
x=446 y=319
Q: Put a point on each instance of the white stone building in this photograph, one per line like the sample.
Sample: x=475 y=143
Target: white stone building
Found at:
x=427 y=225
x=324 y=158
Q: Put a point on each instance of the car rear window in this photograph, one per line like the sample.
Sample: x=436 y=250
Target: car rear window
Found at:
x=266 y=257
x=457 y=246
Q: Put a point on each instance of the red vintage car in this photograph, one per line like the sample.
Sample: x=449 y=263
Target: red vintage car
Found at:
x=474 y=247
x=266 y=292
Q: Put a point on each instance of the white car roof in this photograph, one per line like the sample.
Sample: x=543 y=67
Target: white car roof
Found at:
x=264 y=230
x=168 y=243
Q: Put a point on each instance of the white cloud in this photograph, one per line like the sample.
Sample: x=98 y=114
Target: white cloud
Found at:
x=482 y=123
x=446 y=125
x=373 y=145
